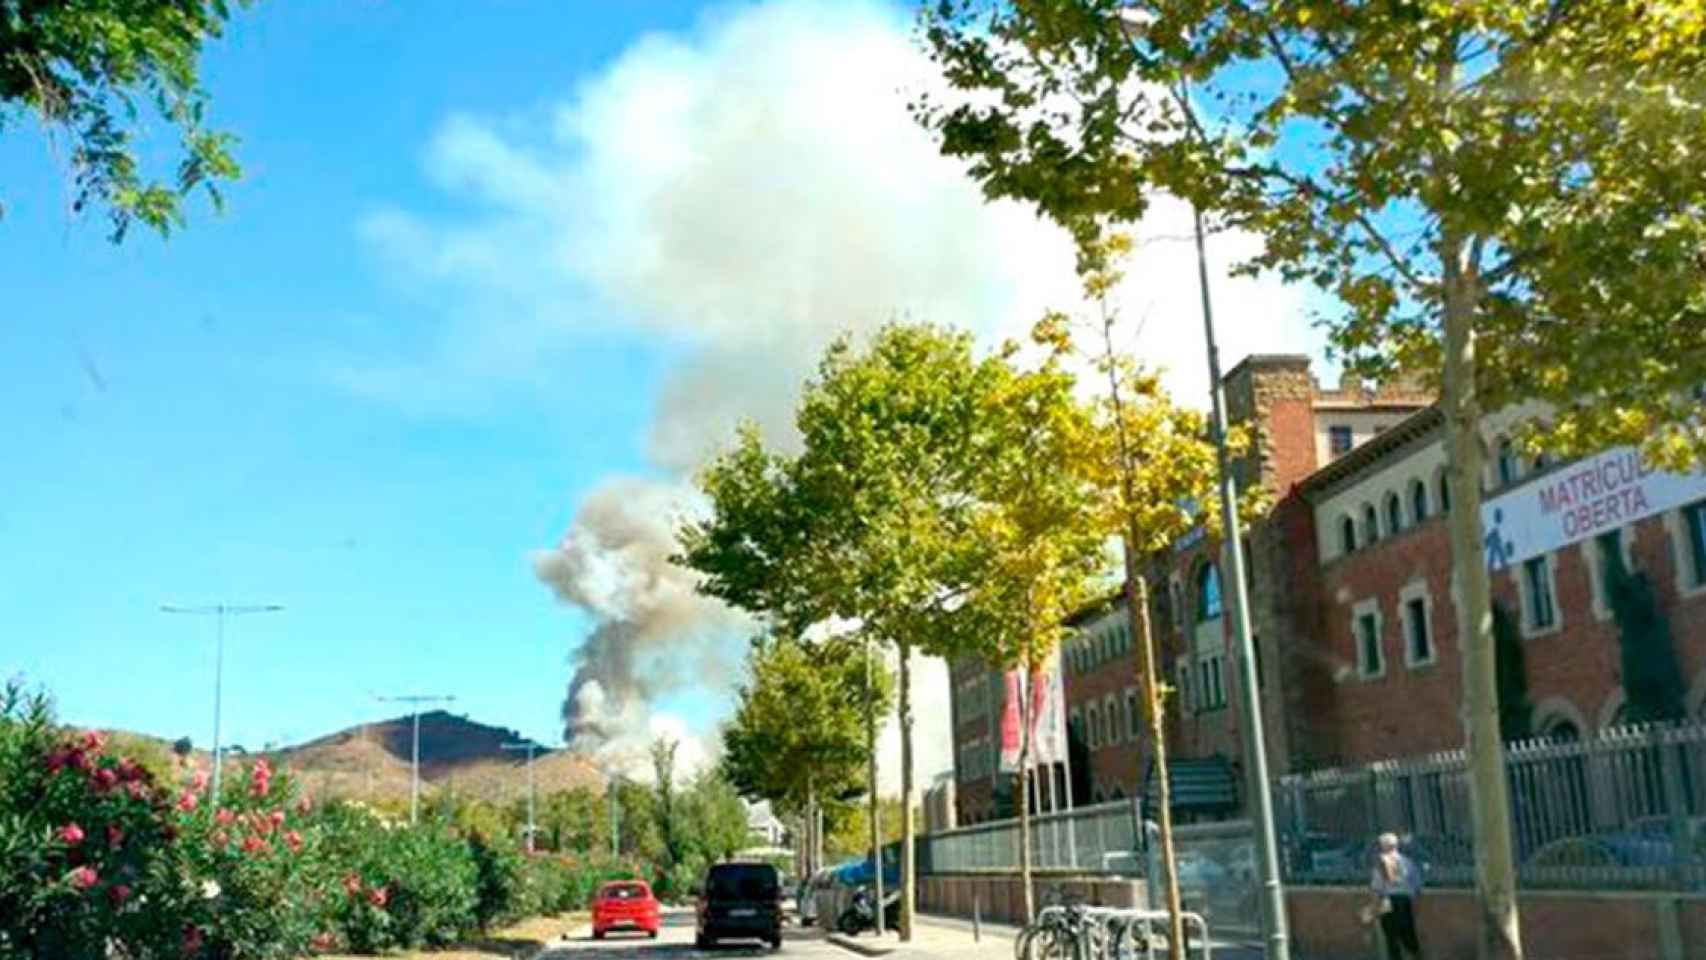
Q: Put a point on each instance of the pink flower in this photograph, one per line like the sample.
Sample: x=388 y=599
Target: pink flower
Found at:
x=253 y=844
x=118 y=893
x=137 y=790
x=220 y=839
x=260 y=778
x=187 y=802
x=323 y=941
x=77 y=760
x=198 y=780
x=378 y=896
x=129 y=770
x=293 y=840
x=192 y=939
x=304 y=804
x=277 y=818
x=115 y=837
x=105 y=779
x=84 y=877
x=224 y=817
x=71 y=834
x=58 y=760
x=94 y=740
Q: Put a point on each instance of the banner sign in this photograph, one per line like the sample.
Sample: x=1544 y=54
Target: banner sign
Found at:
x=1047 y=709
x=1592 y=496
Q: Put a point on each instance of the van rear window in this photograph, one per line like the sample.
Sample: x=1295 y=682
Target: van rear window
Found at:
x=743 y=882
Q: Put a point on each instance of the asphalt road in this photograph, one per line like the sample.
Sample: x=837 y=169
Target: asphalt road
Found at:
x=675 y=942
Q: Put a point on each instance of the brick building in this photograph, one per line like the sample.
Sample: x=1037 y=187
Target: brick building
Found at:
x=1296 y=427
x=1351 y=606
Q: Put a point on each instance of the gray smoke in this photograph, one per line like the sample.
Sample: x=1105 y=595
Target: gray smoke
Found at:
x=651 y=632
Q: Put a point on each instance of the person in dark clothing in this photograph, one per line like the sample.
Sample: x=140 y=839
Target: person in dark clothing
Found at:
x=1396 y=883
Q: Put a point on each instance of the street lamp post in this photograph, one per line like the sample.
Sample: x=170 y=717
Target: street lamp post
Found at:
x=1135 y=23
x=415 y=701
x=219 y=611
x=530 y=747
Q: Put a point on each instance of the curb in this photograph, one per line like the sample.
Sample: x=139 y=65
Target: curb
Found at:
x=865 y=948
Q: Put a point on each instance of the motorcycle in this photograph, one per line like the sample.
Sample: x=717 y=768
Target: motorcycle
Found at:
x=860 y=914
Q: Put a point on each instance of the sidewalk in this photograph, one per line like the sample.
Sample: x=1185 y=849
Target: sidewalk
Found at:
x=952 y=937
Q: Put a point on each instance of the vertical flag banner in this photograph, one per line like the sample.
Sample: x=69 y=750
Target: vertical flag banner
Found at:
x=1010 y=722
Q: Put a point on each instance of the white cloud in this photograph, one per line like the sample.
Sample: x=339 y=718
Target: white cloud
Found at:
x=739 y=194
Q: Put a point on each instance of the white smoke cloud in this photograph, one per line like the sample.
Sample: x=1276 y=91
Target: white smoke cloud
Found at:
x=739 y=194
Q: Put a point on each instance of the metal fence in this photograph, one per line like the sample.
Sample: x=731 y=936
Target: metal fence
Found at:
x=1621 y=811
x=1091 y=839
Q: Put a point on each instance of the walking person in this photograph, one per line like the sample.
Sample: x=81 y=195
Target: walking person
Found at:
x=1396 y=883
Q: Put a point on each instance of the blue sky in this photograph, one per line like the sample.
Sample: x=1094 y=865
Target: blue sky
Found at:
x=494 y=273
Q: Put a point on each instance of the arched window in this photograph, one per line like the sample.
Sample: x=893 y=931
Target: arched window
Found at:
x=1370 y=524
x=1208 y=592
x=1418 y=501
x=1347 y=535
x=1394 y=513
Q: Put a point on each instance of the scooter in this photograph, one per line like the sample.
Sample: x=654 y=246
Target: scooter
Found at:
x=860 y=914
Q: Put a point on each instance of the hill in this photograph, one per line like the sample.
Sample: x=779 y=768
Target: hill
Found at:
x=372 y=761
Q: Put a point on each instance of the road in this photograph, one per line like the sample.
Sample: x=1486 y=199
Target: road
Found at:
x=675 y=942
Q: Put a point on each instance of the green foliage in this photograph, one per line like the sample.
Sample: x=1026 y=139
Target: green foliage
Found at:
x=1516 y=711
x=1535 y=168
x=799 y=731
x=85 y=69
x=1652 y=678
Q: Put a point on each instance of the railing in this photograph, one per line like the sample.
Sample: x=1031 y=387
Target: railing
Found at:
x=1621 y=811
x=1094 y=839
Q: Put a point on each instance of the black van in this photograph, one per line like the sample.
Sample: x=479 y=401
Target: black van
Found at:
x=740 y=901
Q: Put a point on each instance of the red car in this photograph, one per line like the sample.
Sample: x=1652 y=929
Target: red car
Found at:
x=625 y=905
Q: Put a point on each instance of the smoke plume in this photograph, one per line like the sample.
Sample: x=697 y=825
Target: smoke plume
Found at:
x=736 y=195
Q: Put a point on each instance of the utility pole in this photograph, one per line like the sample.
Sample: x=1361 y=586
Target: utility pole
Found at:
x=414 y=701
x=219 y=611
x=529 y=746
x=612 y=780
x=1135 y=24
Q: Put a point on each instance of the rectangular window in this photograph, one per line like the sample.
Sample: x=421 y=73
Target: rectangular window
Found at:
x=1218 y=684
x=1421 y=645
x=1537 y=582
x=1339 y=439
x=1694 y=518
x=1186 y=701
x=1368 y=635
x=1134 y=716
x=1094 y=717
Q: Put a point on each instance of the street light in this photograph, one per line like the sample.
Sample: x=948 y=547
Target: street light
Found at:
x=1135 y=24
x=219 y=611
x=530 y=747
x=415 y=701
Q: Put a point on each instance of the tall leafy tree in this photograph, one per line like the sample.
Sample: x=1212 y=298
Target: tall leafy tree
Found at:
x=872 y=522
x=1040 y=552
x=86 y=70
x=1505 y=195
x=797 y=737
x=662 y=752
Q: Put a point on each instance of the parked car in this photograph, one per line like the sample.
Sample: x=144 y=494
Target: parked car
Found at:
x=740 y=900
x=625 y=905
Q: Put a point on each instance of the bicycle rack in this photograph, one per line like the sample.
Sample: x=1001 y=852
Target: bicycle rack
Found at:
x=1148 y=922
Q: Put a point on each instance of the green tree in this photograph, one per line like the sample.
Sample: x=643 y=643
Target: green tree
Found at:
x=1652 y=679
x=84 y=69
x=1039 y=547
x=797 y=737
x=663 y=784
x=872 y=522
x=575 y=820
x=1504 y=195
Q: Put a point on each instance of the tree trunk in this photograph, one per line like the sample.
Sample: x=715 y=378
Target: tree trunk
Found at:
x=1489 y=793
x=876 y=798
x=1022 y=790
x=907 y=866
x=1137 y=612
